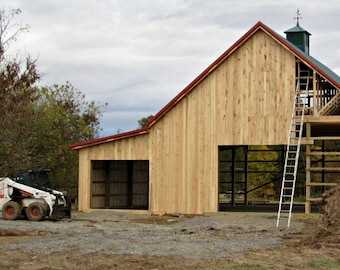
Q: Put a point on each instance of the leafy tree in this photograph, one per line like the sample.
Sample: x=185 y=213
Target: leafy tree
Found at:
x=62 y=117
x=266 y=162
x=39 y=123
x=143 y=121
x=17 y=94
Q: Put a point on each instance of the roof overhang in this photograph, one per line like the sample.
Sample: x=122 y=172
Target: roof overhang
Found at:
x=107 y=139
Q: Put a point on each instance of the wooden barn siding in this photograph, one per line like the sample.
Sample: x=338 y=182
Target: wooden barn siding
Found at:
x=247 y=100
x=133 y=148
x=254 y=104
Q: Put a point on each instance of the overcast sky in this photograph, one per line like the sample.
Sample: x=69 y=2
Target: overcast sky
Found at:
x=138 y=54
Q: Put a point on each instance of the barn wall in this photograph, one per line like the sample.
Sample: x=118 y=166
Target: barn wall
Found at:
x=255 y=94
x=248 y=99
x=132 y=148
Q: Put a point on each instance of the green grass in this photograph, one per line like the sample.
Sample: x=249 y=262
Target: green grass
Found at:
x=326 y=264
x=246 y=266
x=48 y=268
x=314 y=264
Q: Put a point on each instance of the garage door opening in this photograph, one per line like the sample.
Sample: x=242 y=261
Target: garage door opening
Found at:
x=249 y=175
x=120 y=184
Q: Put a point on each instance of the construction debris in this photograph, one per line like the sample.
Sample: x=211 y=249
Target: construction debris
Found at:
x=330 y=207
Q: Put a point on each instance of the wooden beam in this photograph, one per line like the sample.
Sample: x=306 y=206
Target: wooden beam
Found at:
x=327 y=169
x=306 y=141
x=303 y=141
x=314 y=199
x=325 y=138
x=324 y=153
x=322 y=119
x=321 y=184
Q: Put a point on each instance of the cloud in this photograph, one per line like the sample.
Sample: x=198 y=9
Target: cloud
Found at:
x=137 y=55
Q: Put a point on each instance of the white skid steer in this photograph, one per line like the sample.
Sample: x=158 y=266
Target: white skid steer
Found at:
x=17 y=199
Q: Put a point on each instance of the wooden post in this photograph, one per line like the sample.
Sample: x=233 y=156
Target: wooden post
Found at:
x=107 y=183
x=233 y=176
x=323 y=160
x=315 y=100
x=129 y=183
x=308 y=165
x=246 y=175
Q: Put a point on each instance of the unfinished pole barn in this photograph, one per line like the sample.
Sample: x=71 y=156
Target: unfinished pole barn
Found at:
x=221 y=142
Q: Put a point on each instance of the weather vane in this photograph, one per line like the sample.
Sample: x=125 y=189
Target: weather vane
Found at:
x=298 y=16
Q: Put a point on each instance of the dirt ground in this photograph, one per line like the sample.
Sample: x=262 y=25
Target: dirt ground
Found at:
x=113 y=240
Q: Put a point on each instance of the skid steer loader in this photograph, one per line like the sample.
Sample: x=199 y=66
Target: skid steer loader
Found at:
x=35 y=203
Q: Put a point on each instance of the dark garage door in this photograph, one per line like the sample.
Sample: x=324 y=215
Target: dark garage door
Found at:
x=120 y=184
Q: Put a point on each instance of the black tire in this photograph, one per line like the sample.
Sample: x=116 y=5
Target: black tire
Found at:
x=36 y=211
x=11 y=210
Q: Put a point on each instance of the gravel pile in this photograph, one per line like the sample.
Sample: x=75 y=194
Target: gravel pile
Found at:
x=107 y=232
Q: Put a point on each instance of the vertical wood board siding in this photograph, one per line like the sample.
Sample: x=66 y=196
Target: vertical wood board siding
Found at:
x=247 y=100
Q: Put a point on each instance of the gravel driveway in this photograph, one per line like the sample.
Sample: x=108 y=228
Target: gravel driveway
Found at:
x=109 y=232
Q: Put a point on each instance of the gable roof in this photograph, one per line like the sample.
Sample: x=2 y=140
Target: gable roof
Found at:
x=328 y=74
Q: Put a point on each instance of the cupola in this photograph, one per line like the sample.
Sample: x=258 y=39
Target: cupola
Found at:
x=298 y=36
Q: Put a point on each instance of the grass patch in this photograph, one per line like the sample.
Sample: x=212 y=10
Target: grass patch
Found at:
x=325 y=264
x=48 y=268
x=247 y=266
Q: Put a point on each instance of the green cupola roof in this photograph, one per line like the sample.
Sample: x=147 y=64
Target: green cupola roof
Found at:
x=298 y=36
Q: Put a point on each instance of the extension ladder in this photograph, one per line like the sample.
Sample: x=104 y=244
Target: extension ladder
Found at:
x=293 y=147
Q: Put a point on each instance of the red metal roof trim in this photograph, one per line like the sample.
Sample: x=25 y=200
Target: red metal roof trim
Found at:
x=225 y=55
x=175 y=100
x=109 y=138
x=205 y=73
x=299 y=54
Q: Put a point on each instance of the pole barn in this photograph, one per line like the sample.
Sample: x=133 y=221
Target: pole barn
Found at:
x=196 y=155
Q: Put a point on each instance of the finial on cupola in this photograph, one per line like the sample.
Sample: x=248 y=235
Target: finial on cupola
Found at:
x=298 y=17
